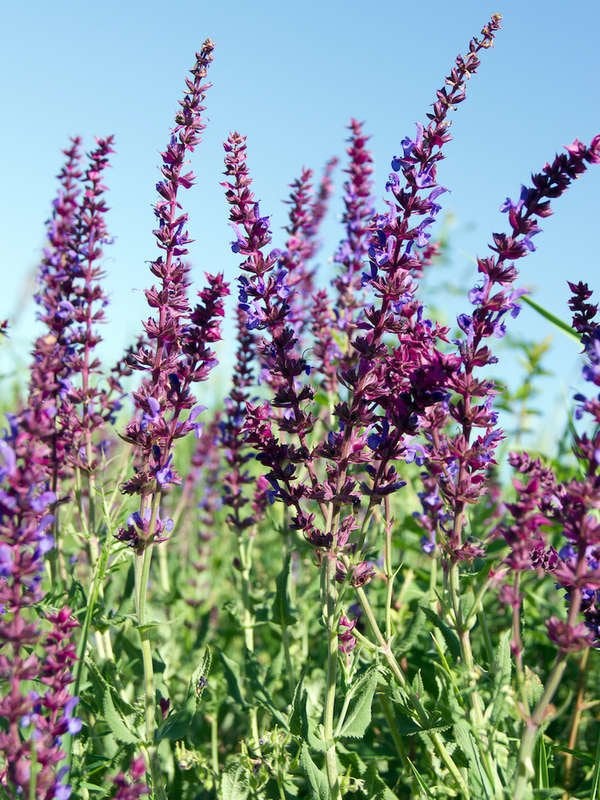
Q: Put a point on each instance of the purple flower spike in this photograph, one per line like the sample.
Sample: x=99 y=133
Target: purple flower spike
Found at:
x=494 y=299
x=177 y=353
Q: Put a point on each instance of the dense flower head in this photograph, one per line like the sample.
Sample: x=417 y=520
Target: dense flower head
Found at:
x=56 y=280
x=578 y=571
x=357 y=216
x=31 y=720
x=237 y=456
x=544 y=503
x=307 y=210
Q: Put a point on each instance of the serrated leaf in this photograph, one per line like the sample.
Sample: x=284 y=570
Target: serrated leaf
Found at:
x=502 y=672
x=298 y=714
x=408 y=727
x=477 y=776
x=358 y=717
x=234 y=783
x=417 y=685
x=533 y=687
x=200 y=675
x=450 y=637
x=316 y=777
x=376 y=786
x=175 y=727
x=115 y=721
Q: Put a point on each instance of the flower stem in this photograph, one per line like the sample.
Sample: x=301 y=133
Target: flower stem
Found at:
x=248 y=623
x=577 y=716
x=477 y=707
x=393 y=664
x=328 y=588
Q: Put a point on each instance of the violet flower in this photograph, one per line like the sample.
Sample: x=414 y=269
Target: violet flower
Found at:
x=86 y=407
x=50 y=369
x=178 y=354
x=133 y=785
x=357 y=218
x=578 y=570
x=461 y=462
x=412 y=377
x=30 y=719
x=339 y=314
x=231 y=426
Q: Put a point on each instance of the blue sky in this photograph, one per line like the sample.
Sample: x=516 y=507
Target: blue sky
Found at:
x=289 y=76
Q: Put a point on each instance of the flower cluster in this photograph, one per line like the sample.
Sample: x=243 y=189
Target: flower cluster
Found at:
x=177 y=353
x=132 y=786
x=578 y=570
x=33 y=722
x=71 y=407
x=235 y=453
x=461 y=463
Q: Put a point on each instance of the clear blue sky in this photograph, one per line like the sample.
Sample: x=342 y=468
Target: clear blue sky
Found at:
x=289 y=76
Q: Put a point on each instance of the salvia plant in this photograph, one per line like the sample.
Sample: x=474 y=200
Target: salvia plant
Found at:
x=348 y=578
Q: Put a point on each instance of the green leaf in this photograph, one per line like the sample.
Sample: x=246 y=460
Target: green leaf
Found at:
x=116 y=722
x=301 y=723
x=502 y=672
x=282 y=611
x=477 y=776
x=450 y=637
x=412 y=631
x=316 y=777
x=408 y=727
x=533 y=687
x=176 y=726
x=234 y=783
x=200 y=674
x=260 y=693
x=361 y=693
x=233 y=678
x=542 y=776
x=596 y=775
x=376 y=787
x=422 y=786
x=559 y=323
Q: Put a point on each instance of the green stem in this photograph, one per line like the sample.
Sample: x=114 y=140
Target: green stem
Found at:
x=393 y=664
x=163 y=568
x=577 y=715
x=477 y=706
x=525 y=770
x=389 y=596
x=214 y=743
x=97 y=581
x=248 y=622
x=329 y=609
x=142 y=574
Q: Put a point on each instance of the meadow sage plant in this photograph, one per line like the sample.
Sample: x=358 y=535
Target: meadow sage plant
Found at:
x=365 y=586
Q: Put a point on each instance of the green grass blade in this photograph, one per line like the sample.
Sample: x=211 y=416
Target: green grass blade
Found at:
x=559 y=323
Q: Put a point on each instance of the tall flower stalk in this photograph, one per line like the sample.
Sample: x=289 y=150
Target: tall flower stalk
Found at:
x=575 y=508
x=36 y=706
x=178 y=355
x=461 y=462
